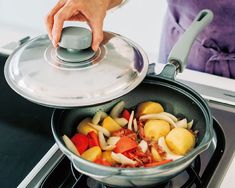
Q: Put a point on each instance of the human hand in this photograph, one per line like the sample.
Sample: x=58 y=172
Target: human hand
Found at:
x=91 y=11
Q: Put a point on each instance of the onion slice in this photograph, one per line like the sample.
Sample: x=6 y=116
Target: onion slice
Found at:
x=170 y=116
x=120 y=158
x=101 y=129
x=158 y=116
x=69 y=144
x=117 y=109
x=182 y=123
x=130 y=121
x=99 y=116
x=109 y=147
x=190 y=124
x=113 y=140
x=121 y=121
x=103 y=143
x=102 y=140
x=143 y=145
x=155 y=154
x=135 y=125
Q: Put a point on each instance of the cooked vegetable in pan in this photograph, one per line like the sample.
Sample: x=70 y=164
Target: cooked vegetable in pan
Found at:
x=145 y=137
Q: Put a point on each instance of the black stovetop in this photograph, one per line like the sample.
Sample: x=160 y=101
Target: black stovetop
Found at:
x=25 y=134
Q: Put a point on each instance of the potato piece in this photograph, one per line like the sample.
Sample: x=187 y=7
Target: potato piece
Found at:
x=169 y=154
x=107 y=155
x=180 y=141
x=84 y=127
x=149 y=108
x=154 y=129
x=92 y=154
x=110 y=124
x=158 y=116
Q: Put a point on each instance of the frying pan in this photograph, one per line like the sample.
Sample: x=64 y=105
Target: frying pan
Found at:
x=175 y=97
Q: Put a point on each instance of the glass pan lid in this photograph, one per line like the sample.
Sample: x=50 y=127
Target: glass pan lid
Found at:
x=35 y=72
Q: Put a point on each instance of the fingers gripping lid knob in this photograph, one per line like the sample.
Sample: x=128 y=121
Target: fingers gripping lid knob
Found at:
x=75 y=38
x=75 y=45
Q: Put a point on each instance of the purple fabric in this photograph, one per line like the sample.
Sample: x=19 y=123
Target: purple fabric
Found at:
x=214 y=50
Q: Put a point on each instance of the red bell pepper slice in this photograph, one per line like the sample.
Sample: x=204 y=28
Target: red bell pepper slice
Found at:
x=158 y=163
x=80 y=141
x=124 y=144
x=102 y=161
x=93 y=139
x=126 y=114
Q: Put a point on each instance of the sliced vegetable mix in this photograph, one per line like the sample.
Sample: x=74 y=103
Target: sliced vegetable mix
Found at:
x=143 y=137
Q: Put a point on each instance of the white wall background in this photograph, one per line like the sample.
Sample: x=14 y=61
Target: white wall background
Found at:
x=139 y=20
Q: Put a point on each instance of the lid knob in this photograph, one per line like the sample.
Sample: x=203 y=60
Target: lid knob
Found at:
x=75 y=45
x=76 y=38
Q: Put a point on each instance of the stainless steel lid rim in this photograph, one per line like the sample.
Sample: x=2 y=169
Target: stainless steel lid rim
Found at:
x=121 y=68
x=70 y=105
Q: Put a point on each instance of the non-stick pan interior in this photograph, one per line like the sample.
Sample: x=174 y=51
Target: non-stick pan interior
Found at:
x=175 y=98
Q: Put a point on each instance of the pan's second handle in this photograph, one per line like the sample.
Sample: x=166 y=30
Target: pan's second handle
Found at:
x=179 y=53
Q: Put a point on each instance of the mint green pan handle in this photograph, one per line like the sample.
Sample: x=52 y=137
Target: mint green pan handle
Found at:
x=179 y=53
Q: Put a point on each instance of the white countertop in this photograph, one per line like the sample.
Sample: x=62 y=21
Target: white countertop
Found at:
x=10 y=34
